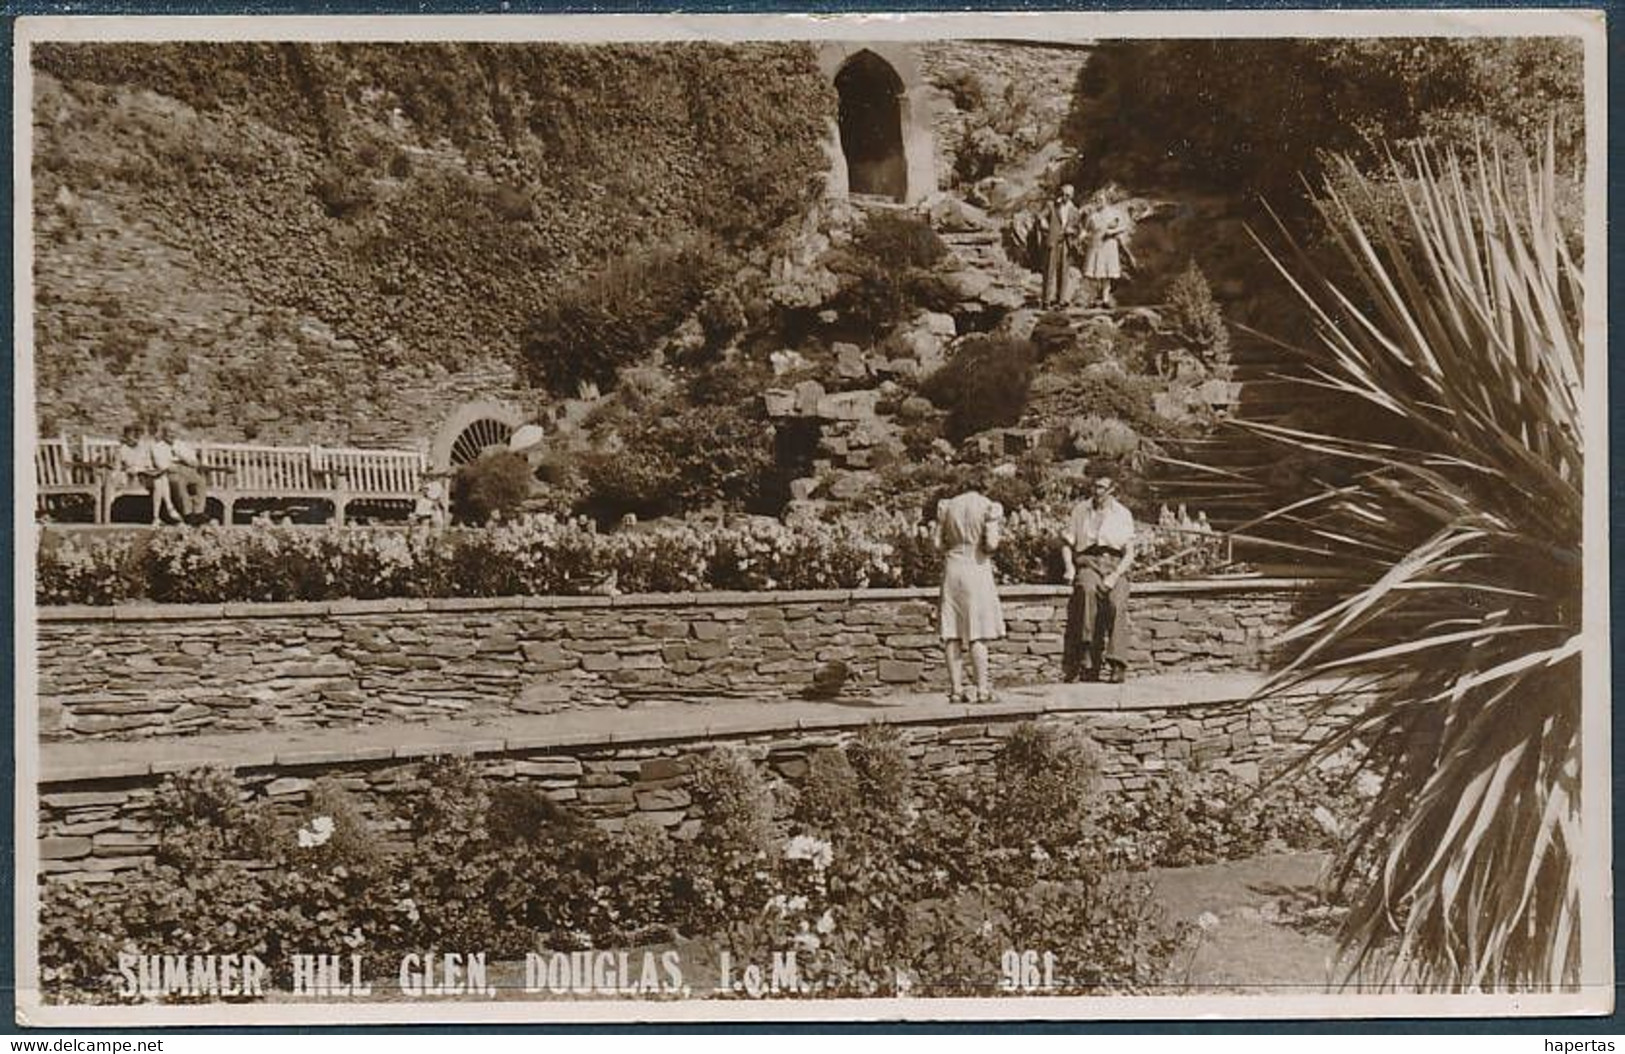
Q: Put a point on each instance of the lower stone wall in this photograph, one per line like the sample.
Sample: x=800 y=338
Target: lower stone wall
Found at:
x=93 y=829
x=131 y=672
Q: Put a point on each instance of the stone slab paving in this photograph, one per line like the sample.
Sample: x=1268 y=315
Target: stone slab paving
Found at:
x=649 y=721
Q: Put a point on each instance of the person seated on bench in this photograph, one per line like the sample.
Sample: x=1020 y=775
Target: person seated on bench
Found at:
x=187 y=488
x=163 y=467
x=132 y=463
x=429 y=510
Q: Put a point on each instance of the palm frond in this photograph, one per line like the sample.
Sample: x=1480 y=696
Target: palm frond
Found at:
x=1446 y=531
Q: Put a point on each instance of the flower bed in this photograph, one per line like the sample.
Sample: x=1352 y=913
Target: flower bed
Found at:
x=883 y=881
x=546 y=556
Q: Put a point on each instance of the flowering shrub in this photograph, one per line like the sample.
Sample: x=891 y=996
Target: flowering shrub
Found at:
x=549 y=555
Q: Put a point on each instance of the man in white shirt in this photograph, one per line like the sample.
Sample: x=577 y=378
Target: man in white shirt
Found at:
x=1098 y=550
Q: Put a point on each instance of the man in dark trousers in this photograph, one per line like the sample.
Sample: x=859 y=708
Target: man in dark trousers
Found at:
x=1098 y=550
x=1060 y=217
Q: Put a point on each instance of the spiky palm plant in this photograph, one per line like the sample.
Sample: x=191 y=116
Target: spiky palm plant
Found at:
x=1446 y=519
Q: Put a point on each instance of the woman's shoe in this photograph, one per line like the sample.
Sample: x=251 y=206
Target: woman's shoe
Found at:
x=986 y=696
x=959 y=698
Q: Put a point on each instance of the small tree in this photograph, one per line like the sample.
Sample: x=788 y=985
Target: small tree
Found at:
x=1194 y=317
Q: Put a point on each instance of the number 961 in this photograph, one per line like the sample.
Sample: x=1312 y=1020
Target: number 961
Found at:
x=1026 y=971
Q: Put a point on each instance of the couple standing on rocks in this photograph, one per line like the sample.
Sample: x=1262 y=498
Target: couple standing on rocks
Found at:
x=1104 y=225
x=1098 y=550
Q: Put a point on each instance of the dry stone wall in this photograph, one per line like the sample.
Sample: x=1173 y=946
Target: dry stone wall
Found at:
x=91 y=829
x=136 y=672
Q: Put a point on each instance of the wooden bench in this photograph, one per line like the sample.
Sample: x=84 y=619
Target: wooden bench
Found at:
x=60 y=470
x=239 y=471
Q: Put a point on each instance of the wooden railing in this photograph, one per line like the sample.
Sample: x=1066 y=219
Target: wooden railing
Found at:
x=338 y=475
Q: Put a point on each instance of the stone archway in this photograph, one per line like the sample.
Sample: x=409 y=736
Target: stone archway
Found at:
x=470 y=430
x=880 y=141
x=871 y=126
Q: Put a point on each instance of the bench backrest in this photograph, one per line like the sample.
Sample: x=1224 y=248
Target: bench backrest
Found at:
x=262 y=468
x=253 y=467
x=376 y=471
x=52 y=464
x=58 y=463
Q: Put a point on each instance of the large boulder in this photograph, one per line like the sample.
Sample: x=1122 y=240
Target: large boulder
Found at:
x=808 y=396
x=848 y=406
x=924 y=348
x=936 y=322
x=852 y=485
x=1001 y=295
x=849 y=362
x=968 y=284
x=950 y=214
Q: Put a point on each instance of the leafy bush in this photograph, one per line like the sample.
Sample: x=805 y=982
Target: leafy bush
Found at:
x=493 y=485
x=597 y=325
x=681 y=461
x=884 y=274
x=1092 y=434
x=1208 y=816
x=998 y=132
x=1109 y=392
x=984 y=385
x=343 y=190
x=965 y=88
x=898 y=241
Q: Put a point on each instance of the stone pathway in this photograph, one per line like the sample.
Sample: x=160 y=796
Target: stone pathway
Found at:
x=650 y=720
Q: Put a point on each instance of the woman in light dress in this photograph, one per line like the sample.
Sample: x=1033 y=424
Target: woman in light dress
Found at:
x=968 y=530
x=1107 y=228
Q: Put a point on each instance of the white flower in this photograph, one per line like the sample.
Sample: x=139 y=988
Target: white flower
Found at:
x=826 y=922
x=1040 y=855
x=815 y=851
x=1208 y=921
x=316 y=833
x=806 y=942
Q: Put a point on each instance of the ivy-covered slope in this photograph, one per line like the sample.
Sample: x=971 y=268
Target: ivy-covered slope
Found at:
x=325 y=240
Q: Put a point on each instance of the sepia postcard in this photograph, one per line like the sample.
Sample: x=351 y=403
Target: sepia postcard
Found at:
x=904 y=516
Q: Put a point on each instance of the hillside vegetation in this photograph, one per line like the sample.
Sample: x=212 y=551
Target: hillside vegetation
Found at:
x=275 y=230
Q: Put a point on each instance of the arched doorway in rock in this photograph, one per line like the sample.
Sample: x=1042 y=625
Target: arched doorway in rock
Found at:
x=470 y=430
x=871 y=126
